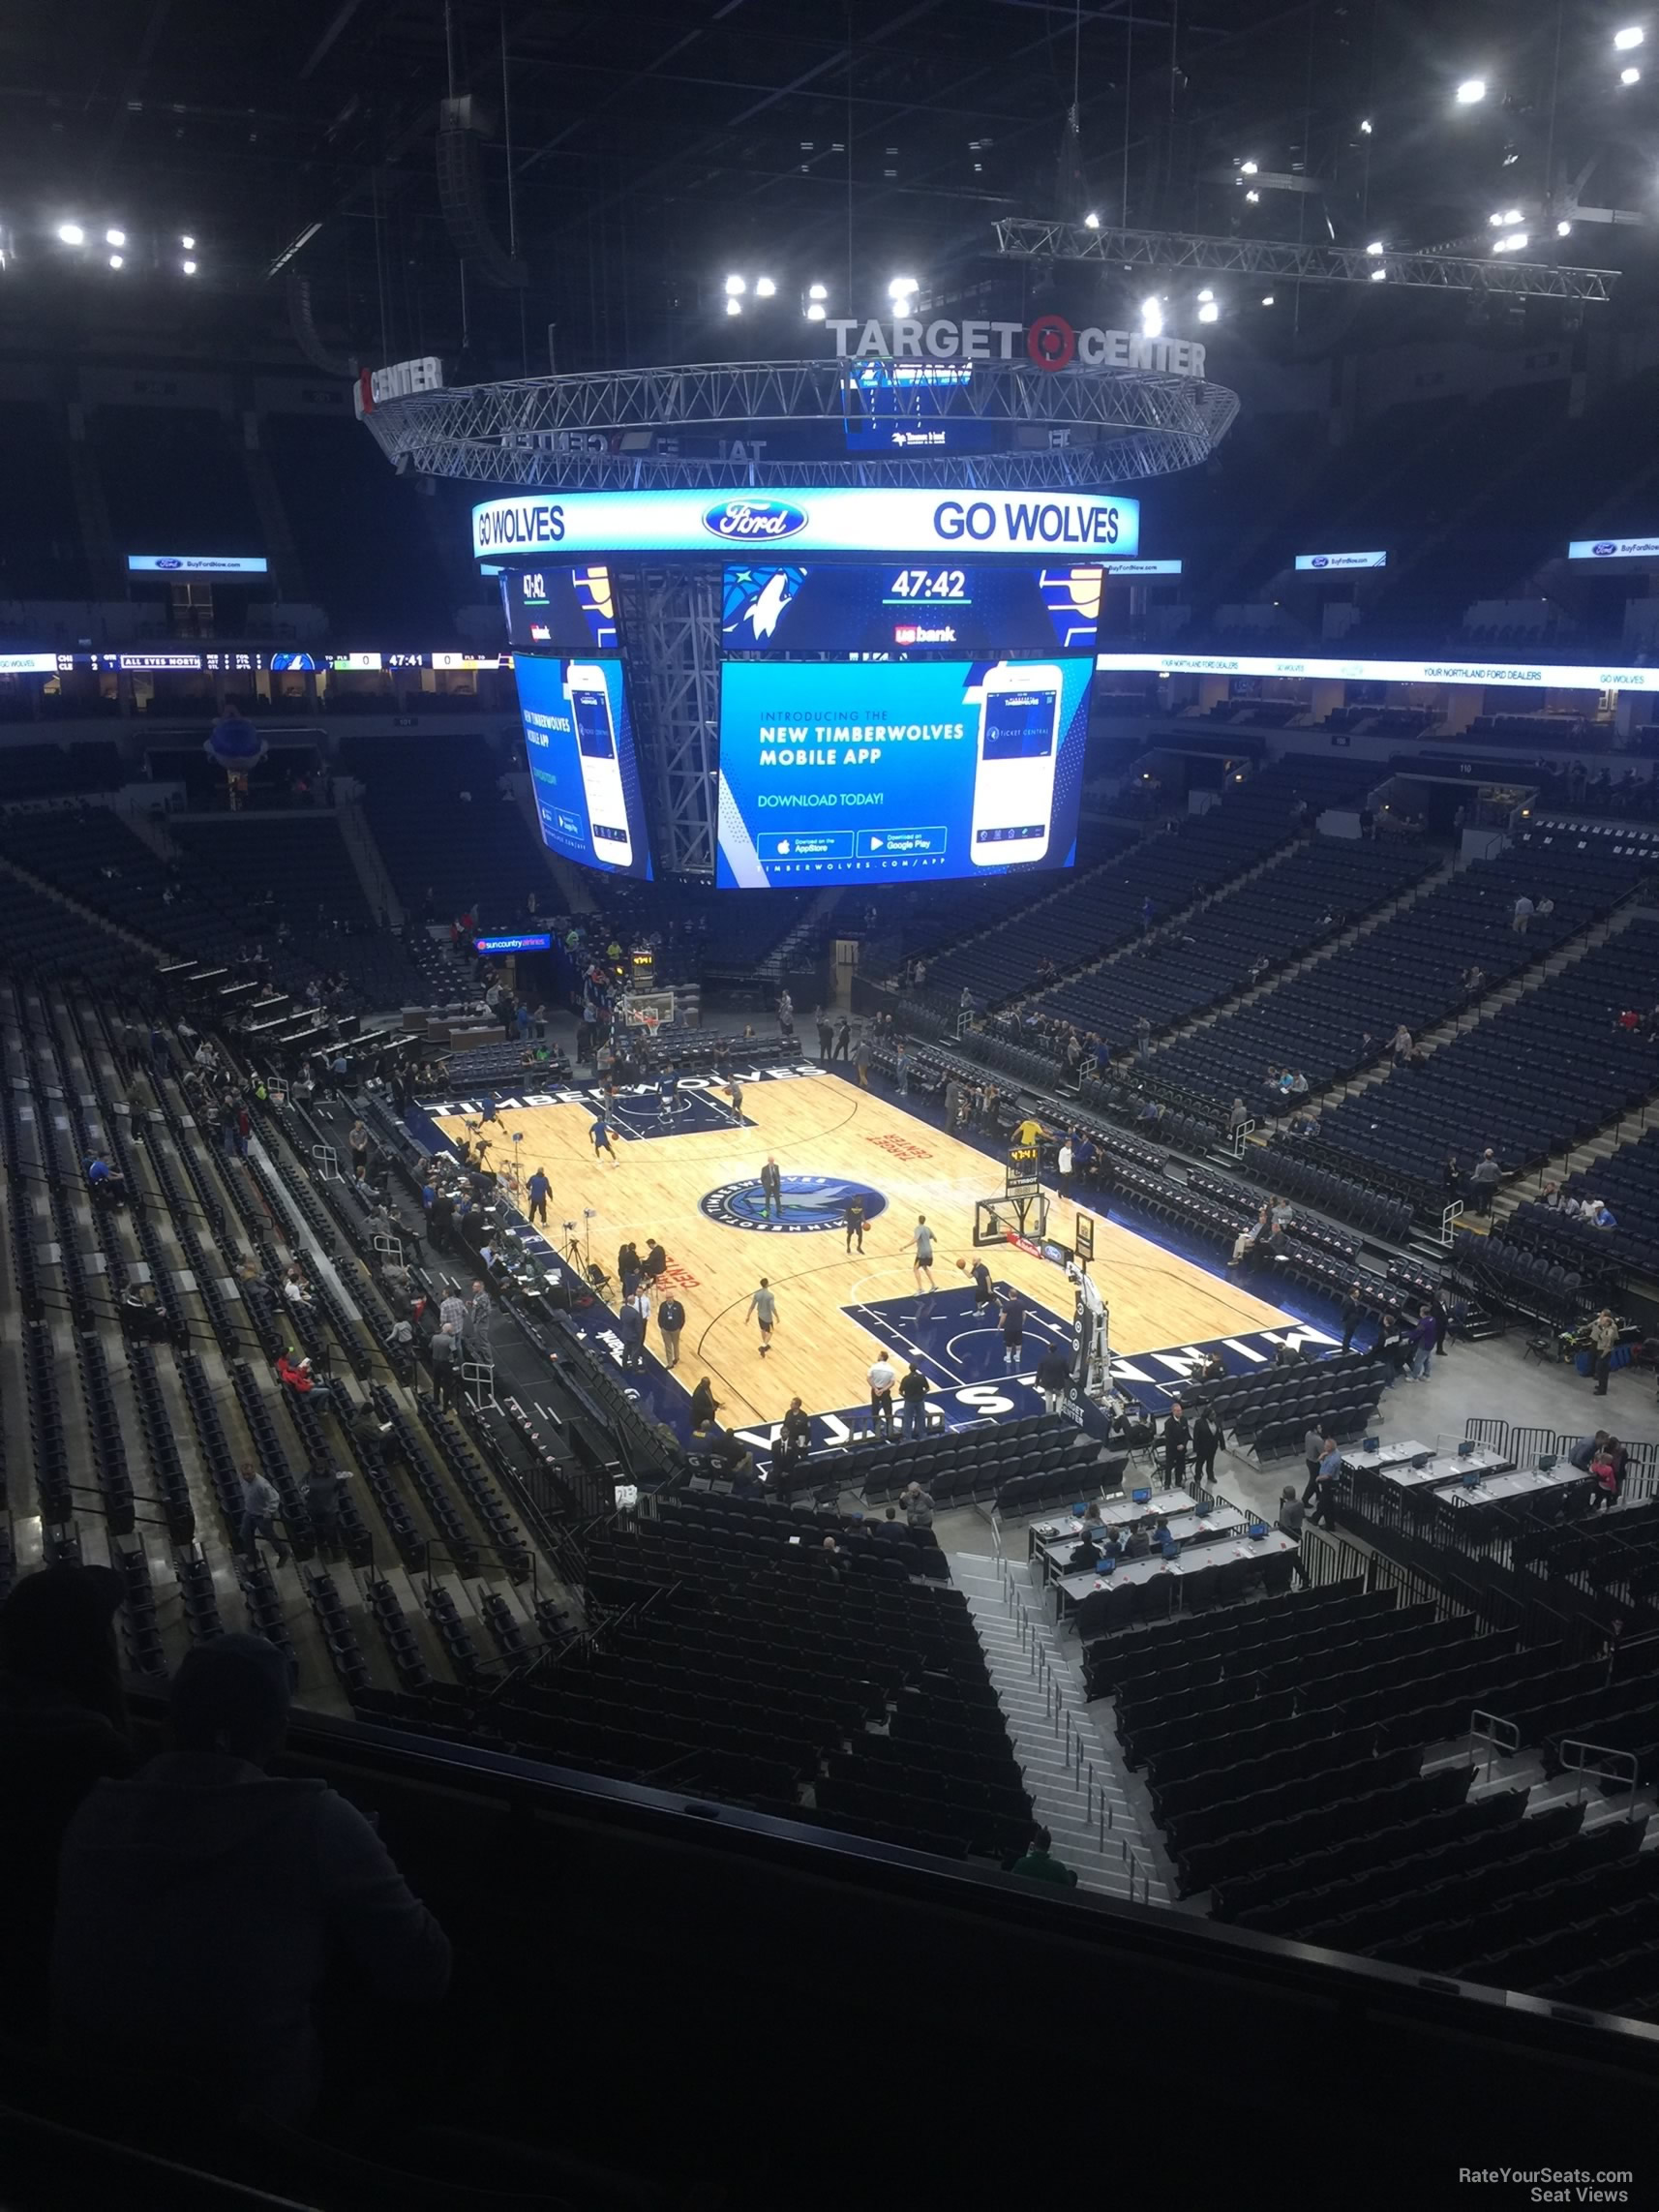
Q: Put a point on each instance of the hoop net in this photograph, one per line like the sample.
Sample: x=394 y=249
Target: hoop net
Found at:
x=647 y=1010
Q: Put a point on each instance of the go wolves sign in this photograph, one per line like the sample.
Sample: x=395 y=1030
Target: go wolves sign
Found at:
x=1052 y=342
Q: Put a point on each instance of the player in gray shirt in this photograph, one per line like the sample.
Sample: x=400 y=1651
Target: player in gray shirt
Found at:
x=764 y=1307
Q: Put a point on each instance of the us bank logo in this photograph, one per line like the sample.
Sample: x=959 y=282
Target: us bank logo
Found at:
x=810 y=1203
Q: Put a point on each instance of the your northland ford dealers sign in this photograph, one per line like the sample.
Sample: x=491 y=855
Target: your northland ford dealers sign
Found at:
x=846 y=519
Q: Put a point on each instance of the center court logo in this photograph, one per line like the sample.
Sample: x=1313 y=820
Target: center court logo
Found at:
x=810 y=1203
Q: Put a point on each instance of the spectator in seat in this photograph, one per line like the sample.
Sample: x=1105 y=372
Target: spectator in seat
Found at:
x=1039 y=1863
x=1401 y=1043
x=322 y=1508
x=296 y=1376
x=227 y=1896
x=106 y=1183
x=63 y=1728
x=1521 y=916
x=1483 y=1178
x=917 y=1507
x=260 y=1507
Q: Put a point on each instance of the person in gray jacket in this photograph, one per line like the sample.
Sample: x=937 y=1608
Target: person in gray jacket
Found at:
x=224 y=1895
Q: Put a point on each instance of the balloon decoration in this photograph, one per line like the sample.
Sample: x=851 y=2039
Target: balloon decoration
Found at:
x=238 y=748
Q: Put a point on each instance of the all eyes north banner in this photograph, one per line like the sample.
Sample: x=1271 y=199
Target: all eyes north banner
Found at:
x=579 y=741
x=894 y=772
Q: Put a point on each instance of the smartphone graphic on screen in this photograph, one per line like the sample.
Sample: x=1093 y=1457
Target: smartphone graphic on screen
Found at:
x=1013 y=780
x=590 y=700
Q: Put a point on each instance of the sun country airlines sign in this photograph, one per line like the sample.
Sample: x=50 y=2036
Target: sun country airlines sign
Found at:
x=1052 y=342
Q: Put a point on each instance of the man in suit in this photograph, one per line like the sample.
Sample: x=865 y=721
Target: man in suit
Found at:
x=1176 y=1437
x=771 y=1189
x=825 y=1035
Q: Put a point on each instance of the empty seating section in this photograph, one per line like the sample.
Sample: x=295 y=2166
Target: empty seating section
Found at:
x=1538 y=1078
x=1021 y=1464
x=47 y=771
x=1274 y=1412
x=397 y=572
x=447 y=855
x=1283 y=1746
x=1313 y=893
x=41 y=556
x=174 y=480
x=44 y=937
x=1627 y=1183
x=1339 y=1014
x=1102 y=907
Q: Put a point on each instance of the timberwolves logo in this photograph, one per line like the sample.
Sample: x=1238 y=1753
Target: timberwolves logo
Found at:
x=810 y=1203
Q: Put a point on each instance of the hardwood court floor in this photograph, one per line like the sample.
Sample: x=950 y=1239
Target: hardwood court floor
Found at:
x=821 y=1124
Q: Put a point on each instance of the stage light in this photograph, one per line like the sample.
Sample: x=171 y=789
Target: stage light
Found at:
x=115 y=237
x=1365 y=126
x=901 y=288
x=1377 y=276
x=734 y=307
x=117 y=261
x=1267 y=299
x=1206 y=293
x=1630 y=77
x=764 y=288
x=1090 y=221
x=1152 y=318
x=188 y=243
x=818 y=291
x=1470 y=91
x=1512 y=217
x=189 y=268
x=816 y=310
x=1253 y=197
x=1209 y=311
x=1563 y=229
x=736 y=287
x=1249 y=169
x=72 y=233
x=1623 y=40
x=1375 y=247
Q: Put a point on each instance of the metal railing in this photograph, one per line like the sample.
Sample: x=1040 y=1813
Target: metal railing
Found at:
x=1603 y=1763
x=1501 y=1737
x=1448 y=1223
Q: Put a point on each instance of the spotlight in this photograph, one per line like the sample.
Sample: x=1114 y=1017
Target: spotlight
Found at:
x=1206 y=293
x=1365 y=126
x=736 y=287
x=72 y=233
x=1563 y=229
x=1623 y=40
x=734 y=307
x=1253 y=197
x=117 y=261
x=1512 y=217
x=818 y=291
x=901 y=288
x=189 y=268
x=1630 y=77
x=188 y=243
x=816 y=310
x=1152 y=318
x=1249 y=168
x=1375 y=247
x=1209 y=311
x=1472 y=91
x=1267 y=299
x=1090 y=221
x=1377 y=276
x=115 y=237
x=764 y=288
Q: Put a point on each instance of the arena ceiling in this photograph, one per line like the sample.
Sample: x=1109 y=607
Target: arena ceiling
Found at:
x=614 y=164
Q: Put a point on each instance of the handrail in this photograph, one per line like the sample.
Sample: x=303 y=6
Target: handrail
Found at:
x=1576 y=1755
x=1500 y=1735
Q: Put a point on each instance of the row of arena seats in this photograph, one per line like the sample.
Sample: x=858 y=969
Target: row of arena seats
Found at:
x=1309 y=895
x=1408 y=970
x=1537 y=1077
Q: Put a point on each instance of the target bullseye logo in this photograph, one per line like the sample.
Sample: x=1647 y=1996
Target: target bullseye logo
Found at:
x=1052 y=342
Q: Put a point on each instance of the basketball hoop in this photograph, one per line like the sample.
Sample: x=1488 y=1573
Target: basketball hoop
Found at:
x=648 y=1020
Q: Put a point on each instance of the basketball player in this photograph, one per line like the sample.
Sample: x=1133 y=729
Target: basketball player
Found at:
x=600 y=1133
x=854 y=1222
x=762 y=1306
x=668 y=1093
x=734 y=1092
x=983 y=1294
x=922 y=1236
x=771 y=1190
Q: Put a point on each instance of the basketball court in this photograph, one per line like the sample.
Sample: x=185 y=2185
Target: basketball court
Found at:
x=691 y=1176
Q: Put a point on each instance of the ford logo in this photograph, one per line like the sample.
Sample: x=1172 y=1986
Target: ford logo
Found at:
x=169 y=563
x=1604 y=550
x=1321 y=561
x=755 y=522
